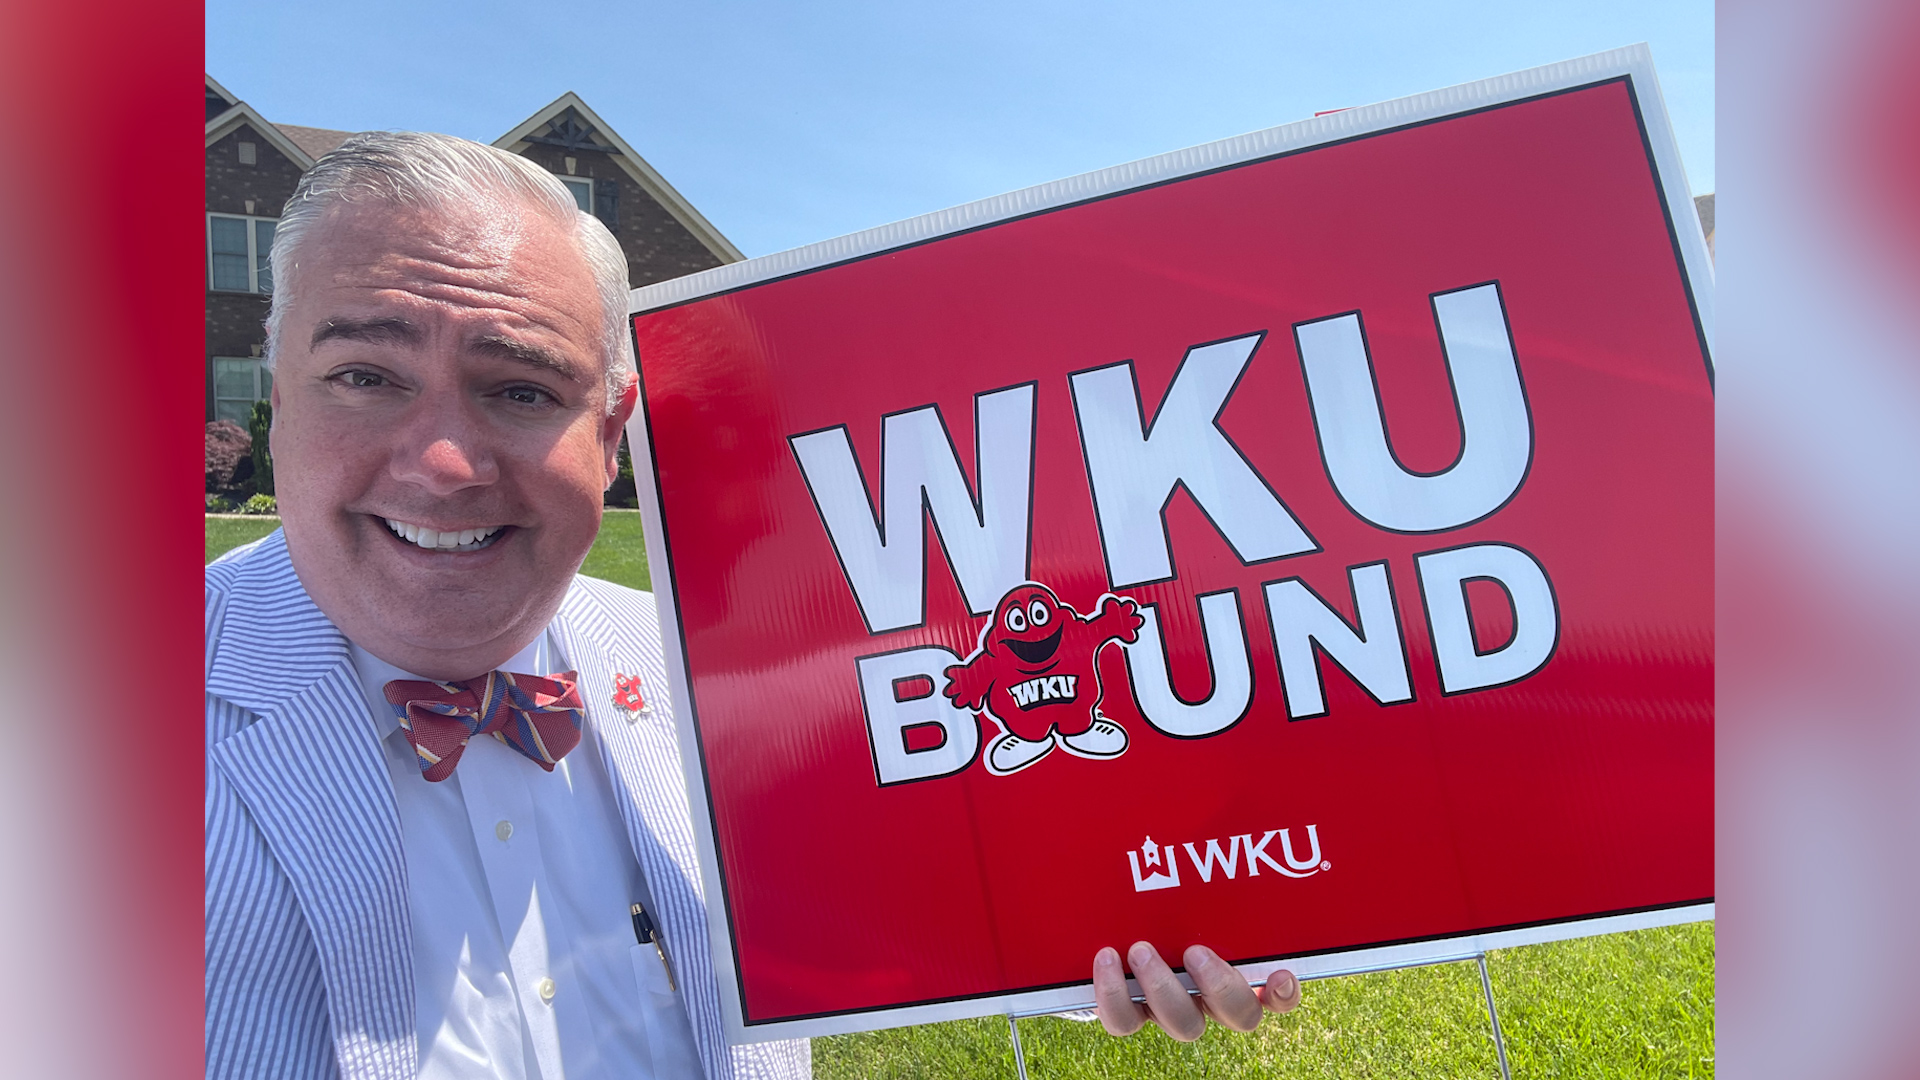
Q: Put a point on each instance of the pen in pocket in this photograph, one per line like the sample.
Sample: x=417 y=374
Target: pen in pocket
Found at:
x=644 y=930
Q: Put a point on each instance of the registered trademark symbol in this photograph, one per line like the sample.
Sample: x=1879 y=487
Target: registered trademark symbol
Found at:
x=1326 y=865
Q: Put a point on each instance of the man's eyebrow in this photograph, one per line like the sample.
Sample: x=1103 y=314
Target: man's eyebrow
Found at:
x=379 y=331
x=532 y=355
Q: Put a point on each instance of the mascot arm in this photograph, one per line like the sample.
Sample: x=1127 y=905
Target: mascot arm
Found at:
x=969 y=684
x=1119 y=618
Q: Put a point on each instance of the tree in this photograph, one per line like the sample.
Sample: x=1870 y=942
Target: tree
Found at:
x=623 y=493
x=257 y=426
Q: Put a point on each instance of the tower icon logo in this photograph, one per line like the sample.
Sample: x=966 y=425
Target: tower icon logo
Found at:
x=1166 y=878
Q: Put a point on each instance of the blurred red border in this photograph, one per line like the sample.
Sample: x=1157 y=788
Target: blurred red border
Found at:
x=100 y=203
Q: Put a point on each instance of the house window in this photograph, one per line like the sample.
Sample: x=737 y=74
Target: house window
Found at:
x=582 y=189
x=237 y=250
x=238 y=382
x=247 y=155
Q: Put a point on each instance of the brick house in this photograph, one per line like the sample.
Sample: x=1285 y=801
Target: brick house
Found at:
x=253 y=165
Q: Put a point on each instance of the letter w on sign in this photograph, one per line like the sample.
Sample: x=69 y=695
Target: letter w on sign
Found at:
x=1230 y=860
x=883 y=555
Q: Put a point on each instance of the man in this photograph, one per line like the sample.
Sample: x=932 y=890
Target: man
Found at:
x=389 y=894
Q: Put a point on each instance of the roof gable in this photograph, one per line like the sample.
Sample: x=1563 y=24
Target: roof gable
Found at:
x=219 y=127
x=217 y=92
x=568 y=122
x=218 y=100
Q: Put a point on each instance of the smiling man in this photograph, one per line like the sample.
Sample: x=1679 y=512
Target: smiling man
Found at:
x=391 y=892
x=446 y=835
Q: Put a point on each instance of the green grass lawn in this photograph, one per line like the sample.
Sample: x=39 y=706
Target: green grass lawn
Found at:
x=1638 y=1004
x=1635 y=1005
x=620 y=551
x=230 y=531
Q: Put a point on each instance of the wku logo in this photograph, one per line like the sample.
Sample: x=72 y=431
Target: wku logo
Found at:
x=1158 y=866
x=1134 y=463
x=1044 y=691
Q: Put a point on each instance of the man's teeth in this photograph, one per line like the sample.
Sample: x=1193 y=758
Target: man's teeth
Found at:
x=461 y=540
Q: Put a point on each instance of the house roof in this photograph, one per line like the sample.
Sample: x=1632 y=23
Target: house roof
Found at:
x=630 y=160
x=315 y=141
x=224 y=124
x=215 y=89
x=302 y=145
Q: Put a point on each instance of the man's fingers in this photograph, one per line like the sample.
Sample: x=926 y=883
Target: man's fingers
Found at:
x=1224 y=992
x=1118 y=1013
x=1167 y=1000
x=1281 y=993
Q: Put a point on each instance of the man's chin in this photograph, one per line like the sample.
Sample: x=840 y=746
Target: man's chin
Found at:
x=452 y=604
x=444 y=638
x=434 y=612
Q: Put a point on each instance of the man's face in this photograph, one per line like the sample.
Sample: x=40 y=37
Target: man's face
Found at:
x=441 y=440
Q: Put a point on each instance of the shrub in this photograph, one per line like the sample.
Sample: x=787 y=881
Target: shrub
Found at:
x=218 y=504
x=259 y=504
x=622 y=493
x=227 y=446
x=257 y=426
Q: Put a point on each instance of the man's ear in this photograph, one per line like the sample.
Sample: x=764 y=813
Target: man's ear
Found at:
x=616 y=423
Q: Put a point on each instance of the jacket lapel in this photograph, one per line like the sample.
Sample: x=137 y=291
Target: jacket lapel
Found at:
x=643 y=752
x=311 y=773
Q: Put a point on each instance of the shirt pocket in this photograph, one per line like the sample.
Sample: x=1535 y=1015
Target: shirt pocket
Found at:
x=650 y=974
x=669 y=1037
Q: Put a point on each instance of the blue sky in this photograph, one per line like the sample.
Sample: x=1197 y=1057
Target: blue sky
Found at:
x=791 y=123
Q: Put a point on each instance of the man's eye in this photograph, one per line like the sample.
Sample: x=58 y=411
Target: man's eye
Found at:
x=361 y=378
x=528 y=395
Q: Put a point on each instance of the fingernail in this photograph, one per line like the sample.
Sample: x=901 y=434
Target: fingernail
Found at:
x=1288 y=986
x=1141 y=953
x=1106 y=957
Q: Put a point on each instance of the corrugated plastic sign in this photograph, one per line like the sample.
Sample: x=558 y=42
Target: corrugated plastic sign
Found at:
x=1299 y=545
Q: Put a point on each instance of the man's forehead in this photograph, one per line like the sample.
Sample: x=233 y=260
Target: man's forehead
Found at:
x=491 y=234
x=380 y=272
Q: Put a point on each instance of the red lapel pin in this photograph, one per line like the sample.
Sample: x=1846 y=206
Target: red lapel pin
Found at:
x=626 y=695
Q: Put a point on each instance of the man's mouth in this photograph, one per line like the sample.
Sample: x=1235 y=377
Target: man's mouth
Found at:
x=456 y=541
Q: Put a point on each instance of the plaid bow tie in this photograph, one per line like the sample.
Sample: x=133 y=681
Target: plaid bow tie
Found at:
x=538 y=716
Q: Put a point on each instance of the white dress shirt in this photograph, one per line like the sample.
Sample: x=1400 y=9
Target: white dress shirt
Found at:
x=520 y=885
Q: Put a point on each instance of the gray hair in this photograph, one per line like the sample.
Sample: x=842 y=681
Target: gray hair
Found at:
x=418 y=169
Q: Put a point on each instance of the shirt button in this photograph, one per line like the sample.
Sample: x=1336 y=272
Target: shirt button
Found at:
x=504 y=830
x=546 y=990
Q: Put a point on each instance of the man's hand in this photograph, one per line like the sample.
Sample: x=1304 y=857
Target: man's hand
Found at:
x=1224 y=993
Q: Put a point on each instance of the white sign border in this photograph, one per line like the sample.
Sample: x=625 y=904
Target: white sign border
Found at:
x=1635 y=62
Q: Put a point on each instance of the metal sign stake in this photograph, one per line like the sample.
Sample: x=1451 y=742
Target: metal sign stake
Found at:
x=1019 y=1055
x=1493 y=1012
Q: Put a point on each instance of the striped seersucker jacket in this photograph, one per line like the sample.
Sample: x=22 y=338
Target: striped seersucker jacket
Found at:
x=309 y=950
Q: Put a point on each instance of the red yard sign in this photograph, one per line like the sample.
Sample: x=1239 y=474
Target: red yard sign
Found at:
x=1300 y=546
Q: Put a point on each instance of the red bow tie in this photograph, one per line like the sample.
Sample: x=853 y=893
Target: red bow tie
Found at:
x=538 y=716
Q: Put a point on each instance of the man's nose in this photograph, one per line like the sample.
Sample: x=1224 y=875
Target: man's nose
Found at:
x=445 y=449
